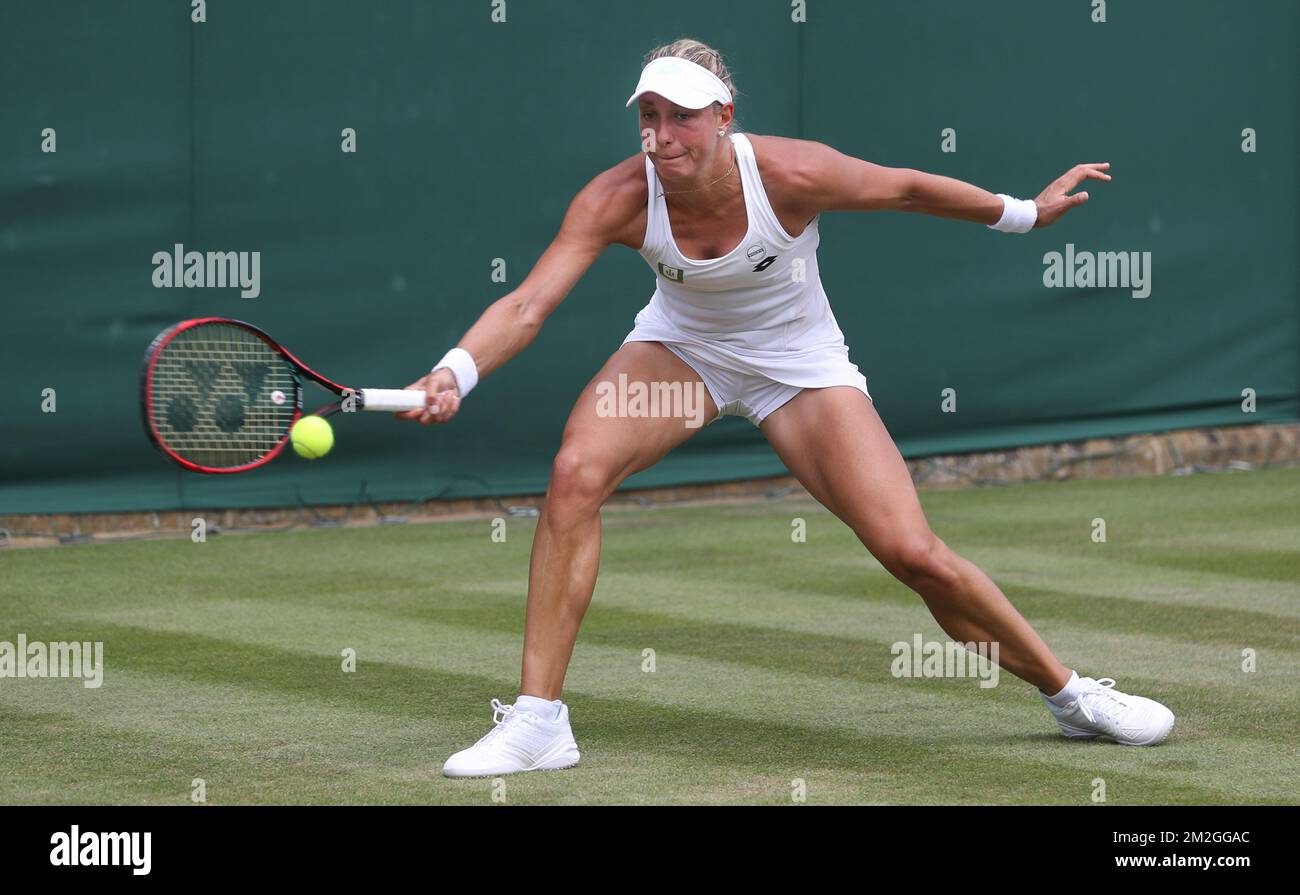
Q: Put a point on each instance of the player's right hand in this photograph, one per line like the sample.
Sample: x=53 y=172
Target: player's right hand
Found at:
x=442 y=398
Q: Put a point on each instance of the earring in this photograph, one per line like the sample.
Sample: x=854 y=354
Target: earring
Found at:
x=721 y=132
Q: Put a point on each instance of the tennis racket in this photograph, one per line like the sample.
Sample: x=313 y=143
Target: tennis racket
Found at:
x=220 y=395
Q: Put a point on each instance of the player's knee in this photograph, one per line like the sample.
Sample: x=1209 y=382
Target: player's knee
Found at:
x=919 y=558
x=578 y=477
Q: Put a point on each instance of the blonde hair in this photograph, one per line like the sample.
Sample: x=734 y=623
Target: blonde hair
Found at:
x=703 y=55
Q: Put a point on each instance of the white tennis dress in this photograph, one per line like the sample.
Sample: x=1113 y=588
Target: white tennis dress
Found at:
x=755 y=324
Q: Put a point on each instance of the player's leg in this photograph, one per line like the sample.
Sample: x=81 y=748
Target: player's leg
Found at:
x=596 y=454
x=835 y=443
x=833 y=440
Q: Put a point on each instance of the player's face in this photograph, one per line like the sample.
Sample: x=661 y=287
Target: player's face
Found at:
x=682 y=141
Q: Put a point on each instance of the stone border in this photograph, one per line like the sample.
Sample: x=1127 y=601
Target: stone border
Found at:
x=1179 y=452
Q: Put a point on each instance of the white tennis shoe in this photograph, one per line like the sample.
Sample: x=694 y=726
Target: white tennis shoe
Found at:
x=520 y=741
x=1101 y=710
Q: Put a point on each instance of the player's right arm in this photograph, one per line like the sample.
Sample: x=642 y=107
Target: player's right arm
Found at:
x=595 y=219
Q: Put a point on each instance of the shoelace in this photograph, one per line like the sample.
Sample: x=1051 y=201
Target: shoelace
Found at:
x=502 y=715
x=505 y=711
x=1102 y=694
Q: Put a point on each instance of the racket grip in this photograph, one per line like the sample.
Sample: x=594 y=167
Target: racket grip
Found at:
x=391 y=399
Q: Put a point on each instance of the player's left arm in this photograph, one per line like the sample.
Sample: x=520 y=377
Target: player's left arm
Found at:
x=833 y=181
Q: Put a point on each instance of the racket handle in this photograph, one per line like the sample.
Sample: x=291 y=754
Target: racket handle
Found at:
x=391 y=399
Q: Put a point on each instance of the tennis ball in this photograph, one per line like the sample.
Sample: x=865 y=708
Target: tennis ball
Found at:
x=312 y=437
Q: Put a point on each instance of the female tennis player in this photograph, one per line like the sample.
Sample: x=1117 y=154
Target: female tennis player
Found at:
x=729 y=224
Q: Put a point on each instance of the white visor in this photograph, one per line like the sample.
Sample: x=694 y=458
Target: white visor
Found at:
x=682 y=82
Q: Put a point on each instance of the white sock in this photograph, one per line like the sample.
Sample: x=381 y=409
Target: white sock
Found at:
x=1068 y=693
x=547 y=711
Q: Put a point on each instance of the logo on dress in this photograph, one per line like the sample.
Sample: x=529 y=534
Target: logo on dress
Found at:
x=676 y=274
x=754 y=252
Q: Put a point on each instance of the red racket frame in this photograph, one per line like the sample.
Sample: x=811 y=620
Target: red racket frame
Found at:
x=146 y=391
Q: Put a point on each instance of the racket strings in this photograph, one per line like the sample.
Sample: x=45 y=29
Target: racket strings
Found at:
x=221 y=397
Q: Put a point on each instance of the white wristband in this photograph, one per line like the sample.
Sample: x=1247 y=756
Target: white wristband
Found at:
x=1018 y=215
x=462 y=366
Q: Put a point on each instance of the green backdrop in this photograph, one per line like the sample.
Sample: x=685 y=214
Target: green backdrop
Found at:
x=473 y=136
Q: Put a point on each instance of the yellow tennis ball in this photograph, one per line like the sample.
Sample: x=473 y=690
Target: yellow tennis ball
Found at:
x=312 y=437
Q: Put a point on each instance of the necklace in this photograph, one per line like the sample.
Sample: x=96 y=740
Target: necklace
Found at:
x=730 y=171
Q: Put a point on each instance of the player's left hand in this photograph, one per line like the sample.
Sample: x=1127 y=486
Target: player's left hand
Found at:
x=1056 y=199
